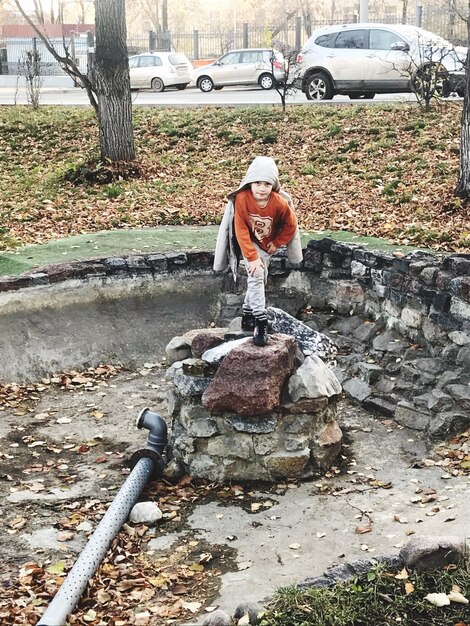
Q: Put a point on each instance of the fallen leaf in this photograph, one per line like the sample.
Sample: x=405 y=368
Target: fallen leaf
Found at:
x=362 y=530
x=438 y=599
x=409 y=587
x=456 y=596
x=403 y=575
x=56 y=568
x=191 y=606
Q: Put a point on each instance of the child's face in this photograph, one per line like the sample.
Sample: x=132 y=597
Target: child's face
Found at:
x=261 y=191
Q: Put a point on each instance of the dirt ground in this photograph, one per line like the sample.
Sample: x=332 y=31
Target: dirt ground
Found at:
x=64 y=446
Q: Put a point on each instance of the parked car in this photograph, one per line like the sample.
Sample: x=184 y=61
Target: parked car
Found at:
x=159 y=70
x=360 y=60
x=242 y=67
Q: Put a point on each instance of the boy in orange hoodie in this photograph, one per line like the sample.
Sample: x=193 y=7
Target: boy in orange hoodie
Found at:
x=264 y=220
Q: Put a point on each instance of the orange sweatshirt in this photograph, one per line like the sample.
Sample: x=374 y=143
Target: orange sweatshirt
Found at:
x=275 y=223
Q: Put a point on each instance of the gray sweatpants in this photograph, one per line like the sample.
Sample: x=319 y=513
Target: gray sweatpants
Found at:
x=255 y=298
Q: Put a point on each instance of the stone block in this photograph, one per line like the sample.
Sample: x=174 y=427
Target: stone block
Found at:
x=313 y=379
x=266 y=444
x=254 y=425
x=249 y=380
x=203 y=428
x=460 y=309
x=448 y=424
x=312 y=406
x=370 y=372
x=190 y=385
x=411 y=317
x=357 y=389
x=207 y=339
x=178 y=349
x=287 y=464
x=463 y=357
x=228 y=446
x=430 y=553
x=327 y=445
x=410 y=416
x=197 y=367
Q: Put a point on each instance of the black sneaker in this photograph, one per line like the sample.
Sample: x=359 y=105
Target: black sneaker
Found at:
x=260 y=336
x=248 y=321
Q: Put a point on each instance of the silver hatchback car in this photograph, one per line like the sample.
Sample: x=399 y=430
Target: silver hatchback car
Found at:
x=360 y=60
x=159 y=70
x=250 y=66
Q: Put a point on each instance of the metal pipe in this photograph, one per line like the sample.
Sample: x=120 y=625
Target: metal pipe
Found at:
x=147 y=463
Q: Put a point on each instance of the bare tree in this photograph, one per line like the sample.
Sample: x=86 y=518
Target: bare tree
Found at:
x=108 y=88
x=30 y=67
x=290 y=71
x=462 y=189
x=111 y=82
x=66 y=62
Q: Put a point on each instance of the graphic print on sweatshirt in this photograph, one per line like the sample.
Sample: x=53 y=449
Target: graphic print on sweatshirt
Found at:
x=261 y=226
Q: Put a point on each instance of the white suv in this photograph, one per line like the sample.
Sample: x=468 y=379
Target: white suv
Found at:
x=360 y=60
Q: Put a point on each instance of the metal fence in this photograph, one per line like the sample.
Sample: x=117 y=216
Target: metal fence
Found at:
x=208 y=45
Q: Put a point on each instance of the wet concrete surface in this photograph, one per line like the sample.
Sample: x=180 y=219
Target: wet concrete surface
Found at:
x=289 y=532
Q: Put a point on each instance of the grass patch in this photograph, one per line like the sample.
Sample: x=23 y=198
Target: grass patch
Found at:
x=376 y=598
x=53 y=185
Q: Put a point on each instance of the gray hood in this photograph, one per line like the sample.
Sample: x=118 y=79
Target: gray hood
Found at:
x=261 y=169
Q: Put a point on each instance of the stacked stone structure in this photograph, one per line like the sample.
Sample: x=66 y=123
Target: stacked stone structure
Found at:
x=241 y=412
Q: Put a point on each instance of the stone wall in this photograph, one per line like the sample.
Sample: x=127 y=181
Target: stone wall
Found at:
x=402 y=321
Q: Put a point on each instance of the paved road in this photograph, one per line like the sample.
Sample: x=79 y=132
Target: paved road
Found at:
x=230 y=96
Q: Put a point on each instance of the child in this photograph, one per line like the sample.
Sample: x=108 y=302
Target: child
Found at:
x=258 y=219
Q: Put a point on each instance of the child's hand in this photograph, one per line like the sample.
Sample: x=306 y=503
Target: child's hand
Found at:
x=255 y=265
x=271 y=248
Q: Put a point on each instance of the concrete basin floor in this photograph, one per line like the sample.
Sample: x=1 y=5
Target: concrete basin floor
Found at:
x=286 y=533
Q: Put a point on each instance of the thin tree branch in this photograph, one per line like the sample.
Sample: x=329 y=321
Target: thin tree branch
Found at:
x=66 y=63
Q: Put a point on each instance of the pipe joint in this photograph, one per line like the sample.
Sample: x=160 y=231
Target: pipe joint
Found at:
x=158 y=431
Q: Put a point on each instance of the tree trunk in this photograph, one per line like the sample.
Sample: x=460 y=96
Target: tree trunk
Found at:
x=112 y=84
x=462 y=189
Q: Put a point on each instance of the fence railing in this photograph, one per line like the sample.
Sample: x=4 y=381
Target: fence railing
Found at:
x=203 y=45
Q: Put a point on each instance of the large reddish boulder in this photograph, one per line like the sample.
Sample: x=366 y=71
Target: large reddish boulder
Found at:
x=249 y=380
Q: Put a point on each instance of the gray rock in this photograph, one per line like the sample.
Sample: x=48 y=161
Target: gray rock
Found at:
x=215 y=355
x=463 y=356
x=145 y=513
x=461 y=394
x=309 y=340
x=217 y=618
x=435 y=400
x=410 y=416
x=252 y=611
x=313 y=379
x=190 y=385
x=384 y=406
x=428 y=553
x=357 y=389
x=449 y=377
x=257 y=426
x=445 y=425
x=173 y=470
x=197 y=367
x=370 y=372
x=460 y=338
x=389 y=341
x=366 y=331
x=178 y=349
x=439 y=401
